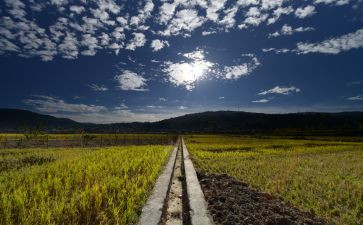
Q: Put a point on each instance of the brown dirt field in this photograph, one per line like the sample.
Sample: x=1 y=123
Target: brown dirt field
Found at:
x=232 y=202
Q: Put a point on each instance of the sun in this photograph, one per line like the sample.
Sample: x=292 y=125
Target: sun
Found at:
x=198 y=68
x=187 y=73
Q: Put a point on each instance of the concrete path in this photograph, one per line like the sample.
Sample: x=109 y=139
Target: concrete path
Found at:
x=177 y=198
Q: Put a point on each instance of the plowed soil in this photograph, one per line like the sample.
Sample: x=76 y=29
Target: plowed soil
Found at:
x=232 y=202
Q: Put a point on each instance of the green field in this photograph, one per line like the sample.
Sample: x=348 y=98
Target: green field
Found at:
x=324 y=177
x=106 y=185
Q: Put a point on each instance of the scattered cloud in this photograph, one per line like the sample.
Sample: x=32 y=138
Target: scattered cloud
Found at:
x=87 y=27
x=356 y=98
x=96 y=87
x=69 y=47
x=264 y=100
x=205 y=33
x=214 y=7
x=162 y=99
x=220 y=98
x=333 y=45
x=276 y=50
x=143 y=14
x=77 y=9
x=130 y=81
x=336 y=2
x=307 y=11
x=139 y=40
x=157 y=45
x=235 y=72
x=288 y=30
x=154 y=106
x=254 y=17
x=355 y=83
x=186 y=20
x=49 y=104
x=121 y=106
x=281 y=90
x=182 y=107
x=277 y=13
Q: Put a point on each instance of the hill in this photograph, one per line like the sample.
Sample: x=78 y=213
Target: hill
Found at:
x=14 y=120
x=205 y=122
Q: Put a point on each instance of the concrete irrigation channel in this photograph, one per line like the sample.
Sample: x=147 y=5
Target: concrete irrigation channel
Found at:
x=177 y=198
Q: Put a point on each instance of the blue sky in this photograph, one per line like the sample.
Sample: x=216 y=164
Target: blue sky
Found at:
x=125 y=60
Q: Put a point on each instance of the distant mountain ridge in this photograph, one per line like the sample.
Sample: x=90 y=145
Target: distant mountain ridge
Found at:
x=17 y=119
x=12 y=120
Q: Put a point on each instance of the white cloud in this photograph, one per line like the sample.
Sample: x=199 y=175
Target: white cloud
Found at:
x=276 y=50
x=167 y=11
x=356 y=98
x=154 y=106
x=87 y=27
x=109 y=5
x=17 y=8
x=305 y=12
x=157 y=45
x=139 y=40
x=196 y=55
x=182 y=107
x=288 y=30
x=59 y=2
x=143 y=14
x=236 y=72
x=162 y=99
x=96 y=87
x=121 y=106
x=277 y=13
x=281 y=90
x=130 y=81
x=185 y=20
x=213 y=8
x=245 y=3
x=264 y=100
x=271 y=4
x=53 y=105
x=6 y=45
x=220 y=98
x=69 y=47
x=91 y=43
x=229 y=20
x=333 y=45
x=205 y=33
x=77 y=9
x=254 y=17
x=336 y=2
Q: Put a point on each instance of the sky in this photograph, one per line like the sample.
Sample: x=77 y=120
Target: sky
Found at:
x=105 y=61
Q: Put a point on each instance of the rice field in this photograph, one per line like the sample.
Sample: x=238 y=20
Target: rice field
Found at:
x=322 y=176
x=107 y=185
